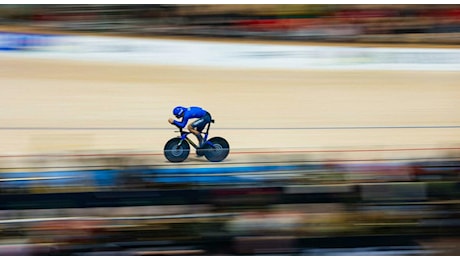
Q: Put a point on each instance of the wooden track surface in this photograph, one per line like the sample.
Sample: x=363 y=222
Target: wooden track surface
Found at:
x=56 y=106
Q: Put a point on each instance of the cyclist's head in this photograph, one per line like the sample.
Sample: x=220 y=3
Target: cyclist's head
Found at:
x=179 y=111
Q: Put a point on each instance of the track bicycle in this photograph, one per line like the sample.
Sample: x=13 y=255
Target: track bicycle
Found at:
x=215 y=149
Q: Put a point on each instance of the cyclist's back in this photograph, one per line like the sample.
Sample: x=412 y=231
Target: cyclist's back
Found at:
x=194 y=112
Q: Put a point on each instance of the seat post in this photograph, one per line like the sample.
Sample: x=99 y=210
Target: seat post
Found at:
x=209 y=125
x=207 y=128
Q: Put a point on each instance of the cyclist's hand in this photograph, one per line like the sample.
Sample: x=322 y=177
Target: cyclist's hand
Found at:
x=171 y=121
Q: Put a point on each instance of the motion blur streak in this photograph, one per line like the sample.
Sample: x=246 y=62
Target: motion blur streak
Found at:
x=342 y=120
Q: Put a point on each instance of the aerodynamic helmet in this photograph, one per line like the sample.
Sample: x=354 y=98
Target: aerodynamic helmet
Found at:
x=179 y=111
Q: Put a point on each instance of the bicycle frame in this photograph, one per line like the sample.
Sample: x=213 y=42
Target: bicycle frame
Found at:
x=184 y=136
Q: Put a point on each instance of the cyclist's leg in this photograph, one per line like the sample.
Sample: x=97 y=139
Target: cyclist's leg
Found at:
x=196 y=128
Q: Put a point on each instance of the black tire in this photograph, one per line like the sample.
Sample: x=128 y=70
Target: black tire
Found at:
x=175 y=152
x=218 y=151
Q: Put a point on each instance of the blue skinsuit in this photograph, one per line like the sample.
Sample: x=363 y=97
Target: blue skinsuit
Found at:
x=191 y=112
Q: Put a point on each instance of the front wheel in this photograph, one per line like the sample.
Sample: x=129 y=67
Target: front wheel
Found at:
x=216 y=149
x=176 y=150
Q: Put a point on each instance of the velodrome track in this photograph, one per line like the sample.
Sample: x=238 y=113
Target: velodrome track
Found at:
x=76 y=107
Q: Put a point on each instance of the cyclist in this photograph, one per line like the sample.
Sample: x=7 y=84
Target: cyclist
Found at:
x=197 y=126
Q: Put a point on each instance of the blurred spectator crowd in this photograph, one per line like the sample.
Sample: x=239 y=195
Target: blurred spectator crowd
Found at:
x=312 y=22
x=120 y=206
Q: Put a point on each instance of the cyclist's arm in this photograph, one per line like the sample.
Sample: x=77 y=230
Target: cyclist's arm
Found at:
x=181 y=124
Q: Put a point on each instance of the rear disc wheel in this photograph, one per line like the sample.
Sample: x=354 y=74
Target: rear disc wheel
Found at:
x=216 y=149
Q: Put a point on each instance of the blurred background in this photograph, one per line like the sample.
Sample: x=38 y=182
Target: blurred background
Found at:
x=380 y=23
x=373 y=201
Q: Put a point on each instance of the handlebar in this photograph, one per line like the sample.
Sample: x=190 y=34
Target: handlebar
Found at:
x=180 y=129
